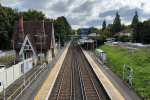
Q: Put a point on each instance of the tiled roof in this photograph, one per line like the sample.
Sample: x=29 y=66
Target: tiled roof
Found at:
x=30 y=27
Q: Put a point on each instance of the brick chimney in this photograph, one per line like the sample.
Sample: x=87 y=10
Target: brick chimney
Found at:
x=21 y=31
x=40 y=28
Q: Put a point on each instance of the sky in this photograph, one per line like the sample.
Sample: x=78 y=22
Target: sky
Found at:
x=86 y=13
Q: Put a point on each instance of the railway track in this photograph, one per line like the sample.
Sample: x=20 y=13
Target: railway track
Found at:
x=76 y=80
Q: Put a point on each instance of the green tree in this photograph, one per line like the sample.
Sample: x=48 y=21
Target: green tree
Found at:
x=79 y=31
x=4 y=25
x=92 y=29
x=31 y=14
x=62 y=28
x=116 y=24
x=104 y=25
x=135 y=20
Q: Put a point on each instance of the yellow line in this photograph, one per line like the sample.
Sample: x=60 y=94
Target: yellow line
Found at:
x=119 y=95
x=39 y=94
x=23 y=83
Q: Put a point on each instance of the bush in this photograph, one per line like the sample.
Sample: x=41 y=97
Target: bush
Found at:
x=122 y=38
x=127 y=39
x=116 y=36
x=100 y=39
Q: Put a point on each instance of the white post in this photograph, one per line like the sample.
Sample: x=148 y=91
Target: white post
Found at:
x=131 y=58
x=23 y=70
x=3 y=90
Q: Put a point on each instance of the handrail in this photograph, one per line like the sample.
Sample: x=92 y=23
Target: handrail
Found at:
x=25 y=82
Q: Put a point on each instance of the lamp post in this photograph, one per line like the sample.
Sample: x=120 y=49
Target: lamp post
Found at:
x=13 y=50
x=96 y=46
x=41 y=45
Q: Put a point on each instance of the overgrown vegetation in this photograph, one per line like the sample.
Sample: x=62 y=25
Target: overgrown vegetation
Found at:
x=118 y=56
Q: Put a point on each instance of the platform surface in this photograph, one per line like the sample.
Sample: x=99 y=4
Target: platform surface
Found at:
x=118 y=84
x=47 y=87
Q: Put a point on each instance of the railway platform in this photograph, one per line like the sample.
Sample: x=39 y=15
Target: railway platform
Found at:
x=113 y=85
x=119 y=85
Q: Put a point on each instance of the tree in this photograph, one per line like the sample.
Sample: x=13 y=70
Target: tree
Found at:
x=79 y=31
x=104 y=25
x=117 y=24
x=135 y=20
x=4 y=25
x=62 y=28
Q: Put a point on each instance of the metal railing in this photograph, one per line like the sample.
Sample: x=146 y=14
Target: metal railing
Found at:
x=21 y=89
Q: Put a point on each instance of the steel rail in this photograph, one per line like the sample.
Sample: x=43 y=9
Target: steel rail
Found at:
x=81 y=79
x=62 y=77
x=90 y=75
x=73 y=72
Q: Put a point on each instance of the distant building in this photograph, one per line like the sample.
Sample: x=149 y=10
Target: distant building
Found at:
x=126 y=32
x=84 y=31
x=110 y=25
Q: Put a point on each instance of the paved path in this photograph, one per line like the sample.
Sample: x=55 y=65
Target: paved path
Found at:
x=124 y=90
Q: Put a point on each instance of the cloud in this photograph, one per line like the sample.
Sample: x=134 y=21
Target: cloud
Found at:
x=86 y=7
x=86 y=13
x=59 y=7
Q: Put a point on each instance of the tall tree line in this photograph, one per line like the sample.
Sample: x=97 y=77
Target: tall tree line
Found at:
x=8 y=16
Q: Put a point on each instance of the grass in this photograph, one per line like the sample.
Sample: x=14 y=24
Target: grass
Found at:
x=7 y=58
x=118 y=56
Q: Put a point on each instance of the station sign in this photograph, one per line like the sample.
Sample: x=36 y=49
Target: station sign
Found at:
x=127 y=67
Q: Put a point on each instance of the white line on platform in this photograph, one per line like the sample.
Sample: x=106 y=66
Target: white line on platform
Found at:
x=98 y=60
x=106 y=68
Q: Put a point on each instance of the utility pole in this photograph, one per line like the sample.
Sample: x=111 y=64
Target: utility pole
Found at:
x=13 y=51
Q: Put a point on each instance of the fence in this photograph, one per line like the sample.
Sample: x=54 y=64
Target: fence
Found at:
x=9 y=75
x=20 y=91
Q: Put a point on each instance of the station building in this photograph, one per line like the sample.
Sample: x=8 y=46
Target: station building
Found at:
x=34 y=39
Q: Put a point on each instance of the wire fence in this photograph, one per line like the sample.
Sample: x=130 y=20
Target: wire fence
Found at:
x=20 y=91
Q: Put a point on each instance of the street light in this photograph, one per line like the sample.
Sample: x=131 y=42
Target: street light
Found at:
x=41 y=45
x=96 y=46
x=13 y=50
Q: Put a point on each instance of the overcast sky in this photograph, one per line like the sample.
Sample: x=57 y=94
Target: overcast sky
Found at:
x=86 y=13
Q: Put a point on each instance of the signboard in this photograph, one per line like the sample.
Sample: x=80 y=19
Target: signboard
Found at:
x=26 y=65
x=1 y=83
x=41 y=54
x=21 y=68
x=30 y=63
x=127 y=67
